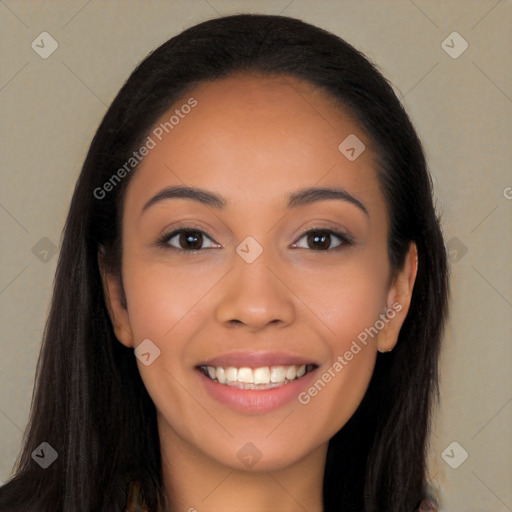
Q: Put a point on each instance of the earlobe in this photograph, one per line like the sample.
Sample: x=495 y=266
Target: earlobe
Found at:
x=115 y=303
x=398 y=301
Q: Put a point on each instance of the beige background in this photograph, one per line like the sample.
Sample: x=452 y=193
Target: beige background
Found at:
x=462 y=108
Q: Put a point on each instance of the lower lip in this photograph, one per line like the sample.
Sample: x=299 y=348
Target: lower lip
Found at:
x=254 y=401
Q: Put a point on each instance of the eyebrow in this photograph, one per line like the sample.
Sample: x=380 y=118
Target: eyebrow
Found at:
x=302 y=197
x=313 y=194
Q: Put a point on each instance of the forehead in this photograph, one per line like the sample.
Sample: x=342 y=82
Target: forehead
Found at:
x=249 y=136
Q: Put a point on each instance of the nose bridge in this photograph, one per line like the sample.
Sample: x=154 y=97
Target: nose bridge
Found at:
x=253 y=295
x=255 y=274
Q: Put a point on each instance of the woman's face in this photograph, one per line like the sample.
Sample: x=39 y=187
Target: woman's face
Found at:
x=259 y=285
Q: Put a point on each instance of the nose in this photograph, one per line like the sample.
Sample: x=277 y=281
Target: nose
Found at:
x=255 y=295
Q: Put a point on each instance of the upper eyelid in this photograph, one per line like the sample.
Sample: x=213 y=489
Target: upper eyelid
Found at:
x=343 y=236
x=172 y=233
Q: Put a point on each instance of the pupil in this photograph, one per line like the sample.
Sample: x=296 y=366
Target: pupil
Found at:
x=191 y=239
x=322 y=239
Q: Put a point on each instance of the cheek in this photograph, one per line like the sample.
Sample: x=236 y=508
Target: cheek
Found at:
x=348 y=303
x=160 y=295
x=164 y=306
x=338 y=389
x=347 y=298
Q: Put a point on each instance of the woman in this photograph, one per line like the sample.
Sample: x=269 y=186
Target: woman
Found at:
x=251 y=290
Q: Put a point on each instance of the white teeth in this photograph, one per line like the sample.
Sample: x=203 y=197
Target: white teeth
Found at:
x=220 y=374
x=245 y=375
x=291 y=373
x=231 y=374
x=262 y=375
x=262 y=378
x=277 y=374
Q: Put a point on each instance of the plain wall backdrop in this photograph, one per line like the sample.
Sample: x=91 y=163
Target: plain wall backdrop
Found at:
x=459 y=98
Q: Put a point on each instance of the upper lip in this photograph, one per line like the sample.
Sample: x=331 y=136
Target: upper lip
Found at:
x=257 y=359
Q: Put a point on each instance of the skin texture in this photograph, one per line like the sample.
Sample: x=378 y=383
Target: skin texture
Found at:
x=254 y=140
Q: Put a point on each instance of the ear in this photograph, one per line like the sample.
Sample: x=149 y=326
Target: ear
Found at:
x=116 y=304
x=398 y=301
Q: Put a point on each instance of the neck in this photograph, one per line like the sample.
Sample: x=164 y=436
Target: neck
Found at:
x=194 y=482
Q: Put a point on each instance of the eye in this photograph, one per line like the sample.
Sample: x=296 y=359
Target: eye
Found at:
x=192 y=239
x=321 y=240
x=187 y=239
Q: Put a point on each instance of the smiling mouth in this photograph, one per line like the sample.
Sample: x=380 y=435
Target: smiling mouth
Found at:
x=265 y=377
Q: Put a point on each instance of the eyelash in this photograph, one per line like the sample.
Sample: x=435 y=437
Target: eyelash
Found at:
x=163 y=241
